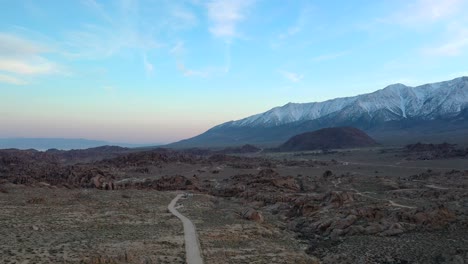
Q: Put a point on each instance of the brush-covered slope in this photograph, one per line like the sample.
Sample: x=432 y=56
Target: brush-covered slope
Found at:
x=329 y=138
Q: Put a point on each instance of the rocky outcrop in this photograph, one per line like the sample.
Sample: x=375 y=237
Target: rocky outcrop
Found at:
x=165 y=183
x=434 y=151
x=264 y=186
x=38 y=168
x=102 y=182
x=157 y=157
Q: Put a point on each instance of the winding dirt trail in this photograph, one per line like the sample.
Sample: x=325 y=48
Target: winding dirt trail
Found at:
x=397 y=165
x=192 y=246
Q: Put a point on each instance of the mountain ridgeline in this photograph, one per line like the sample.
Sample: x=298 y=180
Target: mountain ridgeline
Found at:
x=397 y=114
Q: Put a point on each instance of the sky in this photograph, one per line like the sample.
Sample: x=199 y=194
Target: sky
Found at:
x=141 y=71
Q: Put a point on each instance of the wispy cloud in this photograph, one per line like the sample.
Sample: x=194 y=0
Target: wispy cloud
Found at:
x=12 y=80
x=97 y=8
x=98 y=42
x=182 y=18
x=125 y=34
x=92 y=42
x=225 y=15
x=27 y=66
x=291 y=31
x=296 y=27
x=189 y=72
x=299 y=24
x=178 y=49
x=424 y=12
x=292 y=76
x=23 y=57
x=149 y=68
x=455 y=46
x=13 y=45
x=449 y=17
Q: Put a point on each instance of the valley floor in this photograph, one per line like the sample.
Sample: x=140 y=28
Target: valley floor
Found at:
x=352 y=206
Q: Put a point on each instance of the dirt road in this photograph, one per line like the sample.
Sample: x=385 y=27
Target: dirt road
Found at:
x=192 y=246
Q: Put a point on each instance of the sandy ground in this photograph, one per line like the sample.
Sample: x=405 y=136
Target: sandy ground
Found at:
x=42 y=225
x=53 y=225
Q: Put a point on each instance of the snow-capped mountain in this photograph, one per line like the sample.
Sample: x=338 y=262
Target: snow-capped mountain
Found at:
x=394 y=102
x=395 y=109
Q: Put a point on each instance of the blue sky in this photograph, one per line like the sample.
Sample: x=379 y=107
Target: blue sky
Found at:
x=145 y=71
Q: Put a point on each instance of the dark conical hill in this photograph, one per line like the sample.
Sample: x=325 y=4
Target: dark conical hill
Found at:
x=329 y=138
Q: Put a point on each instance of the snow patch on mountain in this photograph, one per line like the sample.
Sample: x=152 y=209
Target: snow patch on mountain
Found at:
x=427 y=102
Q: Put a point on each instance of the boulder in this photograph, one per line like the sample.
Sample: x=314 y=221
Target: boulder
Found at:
x=373 y=229
x=395 y=229
x=252 y=215
x=339 y=198
x=344 y=222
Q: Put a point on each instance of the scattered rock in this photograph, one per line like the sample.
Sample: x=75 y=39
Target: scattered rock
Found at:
x=253 y=215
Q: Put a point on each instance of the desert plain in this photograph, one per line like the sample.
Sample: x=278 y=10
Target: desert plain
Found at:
x=109 y=205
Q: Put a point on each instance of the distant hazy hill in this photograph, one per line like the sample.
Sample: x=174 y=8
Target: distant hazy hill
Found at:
x=397 y=112
x=329 y=138
x=56 y=143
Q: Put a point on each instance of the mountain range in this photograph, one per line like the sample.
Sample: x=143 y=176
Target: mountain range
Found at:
x=395 y=114
x=60 y=143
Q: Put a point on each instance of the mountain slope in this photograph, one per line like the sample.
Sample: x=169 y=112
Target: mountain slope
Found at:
x=399 y=107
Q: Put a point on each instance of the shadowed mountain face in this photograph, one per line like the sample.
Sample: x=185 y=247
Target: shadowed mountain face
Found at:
x=397 y=112
x=329 y=138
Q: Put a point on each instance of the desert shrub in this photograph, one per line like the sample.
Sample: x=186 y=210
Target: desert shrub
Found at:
x=36 y=200
x=84 y=194
x=2 y=190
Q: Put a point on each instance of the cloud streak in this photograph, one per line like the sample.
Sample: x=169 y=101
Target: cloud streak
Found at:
x=182 y=18
x=22 y=57
x=149 y=68
x=225 y=16
x=126 y=34
x=292 y=76
x=423 y=12
x=300 y=23
x=98 y=42
x=178 y=49
x=11 y=80
x=12 y=45
x=189 y=72
x=98 y=9
x=26 y=66
x=456 y=46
